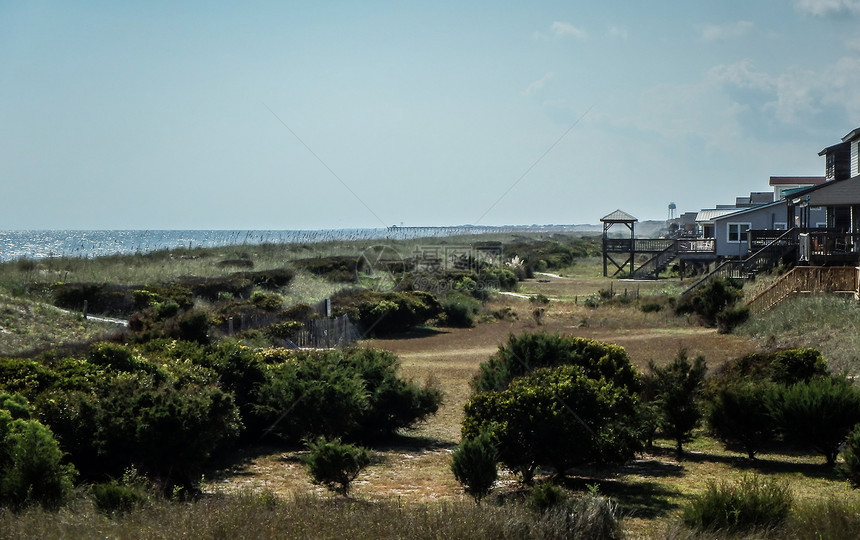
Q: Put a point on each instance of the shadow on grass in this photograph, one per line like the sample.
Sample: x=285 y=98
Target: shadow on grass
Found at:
x=639 y=499
x=415 y=333
x=768 y=465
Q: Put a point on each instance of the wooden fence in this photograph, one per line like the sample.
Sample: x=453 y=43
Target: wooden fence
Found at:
x=327 y=333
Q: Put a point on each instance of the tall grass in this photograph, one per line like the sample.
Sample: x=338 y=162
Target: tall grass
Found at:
x=826 y=322
x=266 y=516
x=833 y=519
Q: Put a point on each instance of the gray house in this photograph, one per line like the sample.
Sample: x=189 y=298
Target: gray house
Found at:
x=730 y=229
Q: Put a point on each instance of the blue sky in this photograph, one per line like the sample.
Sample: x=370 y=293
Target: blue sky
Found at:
x=305 y=115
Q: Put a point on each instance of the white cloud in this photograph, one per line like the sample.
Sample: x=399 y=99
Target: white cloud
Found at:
x=538 y=85
x=565 y=29
x=828 y=8
x=741 y=74
x=616 y=31
x=716 y=32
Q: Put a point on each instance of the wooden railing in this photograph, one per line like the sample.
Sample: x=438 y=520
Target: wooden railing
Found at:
x=806 y=279
x=764 y=258
x=656 y=264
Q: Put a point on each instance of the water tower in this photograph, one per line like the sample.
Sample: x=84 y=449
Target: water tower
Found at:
x=672 y=208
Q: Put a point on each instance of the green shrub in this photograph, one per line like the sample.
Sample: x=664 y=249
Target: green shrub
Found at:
x=753 y=503
x=386 y=312
x=792 y=366
x=786 y=367
x=460 y=310
x=352 y=392
x=850 y=465
x=114 y=498
x=267 y=301
x=818 y=414
x=729 y=318
x=651 y=307
x=118 y=358
x=544 y=496
x=31 y=465
x=529 y=351
x=556 y=418
x=711 y=299
x=102 y=298
x=16 y=405
x=334 y=464
x=739 y=413
x=474 y=464
x=273 y=279
x=342 y=269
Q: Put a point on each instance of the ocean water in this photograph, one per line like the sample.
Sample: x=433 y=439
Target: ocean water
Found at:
x=16 y=245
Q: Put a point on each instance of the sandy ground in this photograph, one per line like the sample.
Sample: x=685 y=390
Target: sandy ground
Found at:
x=416 y=466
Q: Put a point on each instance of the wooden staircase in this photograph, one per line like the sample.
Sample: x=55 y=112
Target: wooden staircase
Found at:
x=762 y=260
x=806 y=279
x=651 y=268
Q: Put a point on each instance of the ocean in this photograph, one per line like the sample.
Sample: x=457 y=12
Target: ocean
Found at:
x=36 y=245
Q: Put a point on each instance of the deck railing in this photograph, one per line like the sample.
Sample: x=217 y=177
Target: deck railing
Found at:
x=806 y=279
x=764 y=258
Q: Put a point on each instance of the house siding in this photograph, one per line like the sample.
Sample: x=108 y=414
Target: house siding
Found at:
x=758 y=219
x=855 y=160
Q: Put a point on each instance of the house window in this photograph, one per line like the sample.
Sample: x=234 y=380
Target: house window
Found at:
x=738 y=232
x=779 y=226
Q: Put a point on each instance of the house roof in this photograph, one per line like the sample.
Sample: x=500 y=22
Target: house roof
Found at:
x=741 y=211
x=710 y=214
x=797 y=194
x=835 y=146
x=796 y=180
x=618 y=216
x=854 y=134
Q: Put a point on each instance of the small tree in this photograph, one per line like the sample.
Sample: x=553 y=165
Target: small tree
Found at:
x=474 y=465
x=334 y=464
x=676 y=388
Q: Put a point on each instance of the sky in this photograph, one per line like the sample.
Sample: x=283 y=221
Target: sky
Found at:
x=329 y=115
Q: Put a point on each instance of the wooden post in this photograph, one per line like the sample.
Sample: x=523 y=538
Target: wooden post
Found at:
x=85 y=310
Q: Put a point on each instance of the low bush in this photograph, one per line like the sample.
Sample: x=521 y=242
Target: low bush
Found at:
x=105 y=298
x=31 y=464
x=729 y=318
x=544 y=496
x=526 y=352
x=340 y=393
x=850 y=465
x=754 y=503
x=556 y=418
x=334 y=464
x=460 y=310
x=818 y=414
x=738 y=413
x=340 y=269
x=386 y=312
x=712 y=299
x=474 y=464
x=271 y=280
